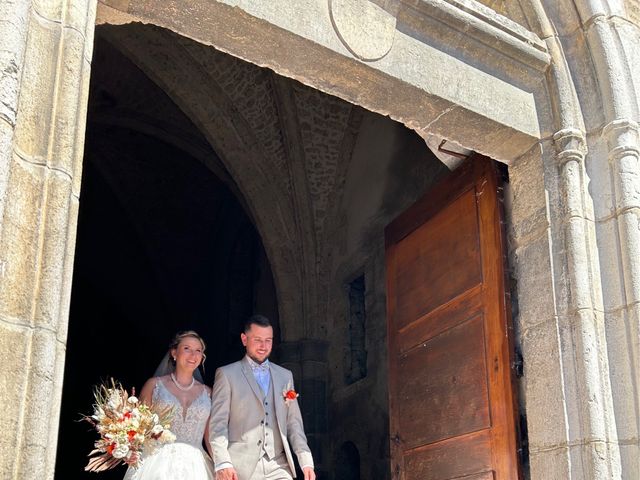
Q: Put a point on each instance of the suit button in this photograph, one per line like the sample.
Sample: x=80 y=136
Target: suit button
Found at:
x=261 y=422
x=266 y=403
x=259 y=442
x=266 y=413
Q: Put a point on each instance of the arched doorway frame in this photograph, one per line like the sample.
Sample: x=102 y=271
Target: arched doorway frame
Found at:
x=586 y=406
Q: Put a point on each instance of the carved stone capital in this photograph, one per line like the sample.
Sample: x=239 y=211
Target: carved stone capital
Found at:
x=570 y=144
x=623 y=138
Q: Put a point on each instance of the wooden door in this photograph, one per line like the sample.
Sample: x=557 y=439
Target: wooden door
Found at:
x=451 y=395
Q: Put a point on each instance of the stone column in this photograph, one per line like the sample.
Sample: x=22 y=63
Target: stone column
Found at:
x=307 y=359
x=44 y=90
x=590 y=409
x=622 y=310
x=569 y=394
x=612 y=43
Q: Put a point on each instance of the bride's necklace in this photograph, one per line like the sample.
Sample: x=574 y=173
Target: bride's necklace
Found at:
x=180 y=387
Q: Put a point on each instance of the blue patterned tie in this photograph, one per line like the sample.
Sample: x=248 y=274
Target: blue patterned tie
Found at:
x=261 y=374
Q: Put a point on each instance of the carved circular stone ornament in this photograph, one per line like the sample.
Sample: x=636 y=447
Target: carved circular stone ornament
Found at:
x=366 y=27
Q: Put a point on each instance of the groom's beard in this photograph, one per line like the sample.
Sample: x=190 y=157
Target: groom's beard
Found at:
x=259 y=362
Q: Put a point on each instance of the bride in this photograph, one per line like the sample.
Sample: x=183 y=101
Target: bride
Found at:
x=175 y=386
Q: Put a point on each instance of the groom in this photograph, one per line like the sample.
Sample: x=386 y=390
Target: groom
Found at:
x=255 y=418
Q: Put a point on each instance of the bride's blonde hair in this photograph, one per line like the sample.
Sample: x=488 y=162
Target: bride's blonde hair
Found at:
x=178 y=338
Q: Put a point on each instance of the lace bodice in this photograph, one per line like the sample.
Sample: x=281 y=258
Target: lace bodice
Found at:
x=188 y=426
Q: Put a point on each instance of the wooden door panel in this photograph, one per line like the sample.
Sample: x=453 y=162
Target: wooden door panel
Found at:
x=448 y=242
x=450 y=459
x=445 y=376
x=451 y=400
x=434 y=323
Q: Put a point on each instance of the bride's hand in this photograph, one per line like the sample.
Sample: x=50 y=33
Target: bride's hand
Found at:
x=227 y=474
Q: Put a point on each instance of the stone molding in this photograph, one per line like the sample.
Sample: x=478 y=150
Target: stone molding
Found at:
x=487 y=27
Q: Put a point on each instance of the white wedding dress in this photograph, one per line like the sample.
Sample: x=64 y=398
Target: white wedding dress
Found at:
x=185 y=459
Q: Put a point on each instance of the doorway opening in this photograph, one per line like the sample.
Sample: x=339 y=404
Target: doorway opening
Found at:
x=213 y=189
x=163 y=245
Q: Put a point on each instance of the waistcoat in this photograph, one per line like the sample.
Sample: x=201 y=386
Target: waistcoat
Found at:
x=271 y=440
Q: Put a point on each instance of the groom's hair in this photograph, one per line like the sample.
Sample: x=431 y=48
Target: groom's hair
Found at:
x=259 y=320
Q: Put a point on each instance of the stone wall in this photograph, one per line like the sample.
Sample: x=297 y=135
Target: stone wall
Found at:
x=44 y=60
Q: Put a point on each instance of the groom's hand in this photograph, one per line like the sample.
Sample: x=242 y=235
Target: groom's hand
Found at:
x=228 y=474
x=309 y=474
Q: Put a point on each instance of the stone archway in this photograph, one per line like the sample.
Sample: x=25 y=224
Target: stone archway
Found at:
x=307 y=142
x=246 y=144
x=571 y=242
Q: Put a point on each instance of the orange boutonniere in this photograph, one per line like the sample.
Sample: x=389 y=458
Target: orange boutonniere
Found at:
x=290 y=395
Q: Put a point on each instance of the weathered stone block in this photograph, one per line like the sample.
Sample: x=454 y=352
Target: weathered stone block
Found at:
x=626 y=174
x=13 y=32
x=54 y=416
x=629 y=455
x=527 y=205
x=600 y=184
x=595 y=459
x=42 y=361
x=78 y=13
x=37 y=91
x=579 y=59
x=68 y=101
x=589 y=409
x=544 y=385
x=19 y=243
x=630 y=44
x=39 y=404
x=533 y=272
x=55 y=236
x=90 y=28
x=6 y=137
x=81 y=119
x=629 y=231
x=623 y=363
x=67 y=270
x=574 y=183
x=553 y=463
x=14 y=362
x=52 y=10
x=580 y=248
x=609 y=261
x=13 y=25
x=9 y=81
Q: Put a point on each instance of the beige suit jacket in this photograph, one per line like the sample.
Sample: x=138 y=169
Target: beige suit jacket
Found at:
x=236 y=412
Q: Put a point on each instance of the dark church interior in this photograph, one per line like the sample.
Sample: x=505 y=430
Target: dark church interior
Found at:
x=163 y=245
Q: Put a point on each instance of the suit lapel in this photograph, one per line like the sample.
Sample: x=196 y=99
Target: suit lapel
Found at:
x=278 y=387
x=248 y=374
